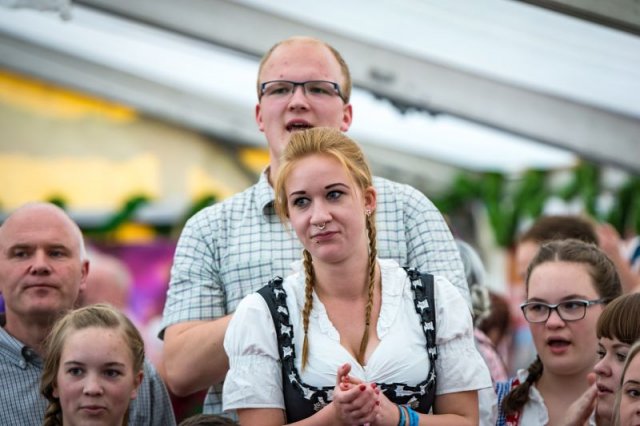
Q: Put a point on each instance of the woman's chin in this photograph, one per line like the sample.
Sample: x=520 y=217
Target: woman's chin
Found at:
x=604 y=411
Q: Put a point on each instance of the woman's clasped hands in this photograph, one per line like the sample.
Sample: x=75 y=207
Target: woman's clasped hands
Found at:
x=357 y=403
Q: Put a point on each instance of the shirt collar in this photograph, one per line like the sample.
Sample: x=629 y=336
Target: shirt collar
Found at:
x=16 y=352
x=265 y=194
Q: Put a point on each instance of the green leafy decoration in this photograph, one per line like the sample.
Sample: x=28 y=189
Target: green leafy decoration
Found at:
x=625 y=214
x=498 y=208
x=59 y=201
x=589 y=176
x=126 y=214
x=508 y=205
x=463 y=189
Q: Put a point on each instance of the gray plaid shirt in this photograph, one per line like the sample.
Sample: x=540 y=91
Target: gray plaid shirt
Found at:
x=22 y=404
x=233 y=248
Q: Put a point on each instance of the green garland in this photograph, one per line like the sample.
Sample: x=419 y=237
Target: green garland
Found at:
x=507 y=203
x=507 y=206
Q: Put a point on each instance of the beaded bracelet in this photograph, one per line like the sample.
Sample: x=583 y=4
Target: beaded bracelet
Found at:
x=402 y=418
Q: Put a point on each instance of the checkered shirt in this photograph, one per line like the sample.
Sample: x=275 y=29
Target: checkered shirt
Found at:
x=233 y=248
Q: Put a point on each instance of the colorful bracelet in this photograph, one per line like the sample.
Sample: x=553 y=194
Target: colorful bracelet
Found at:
x=414 y=419
x=402 y=418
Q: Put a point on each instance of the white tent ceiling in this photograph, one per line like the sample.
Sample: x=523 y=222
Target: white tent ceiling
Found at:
x=503 y=81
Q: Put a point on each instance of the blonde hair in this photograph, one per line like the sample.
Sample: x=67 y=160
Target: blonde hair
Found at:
x=99 y=315
x=633 y=352
x=345 y=85
x=333 y=143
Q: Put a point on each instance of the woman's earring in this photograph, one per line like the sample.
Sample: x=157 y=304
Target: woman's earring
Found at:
x=367 y=212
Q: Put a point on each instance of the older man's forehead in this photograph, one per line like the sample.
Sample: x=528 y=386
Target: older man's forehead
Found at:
x=29 y=244
x=35 y=226
x=50 y=239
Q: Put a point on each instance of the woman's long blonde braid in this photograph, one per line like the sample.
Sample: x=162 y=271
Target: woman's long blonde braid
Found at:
x=332 y=142
x=308 y=294
x=308 y=303
x=373 y=253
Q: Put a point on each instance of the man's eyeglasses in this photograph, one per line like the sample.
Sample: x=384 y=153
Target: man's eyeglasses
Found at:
x=315 y=89
x=569 y=310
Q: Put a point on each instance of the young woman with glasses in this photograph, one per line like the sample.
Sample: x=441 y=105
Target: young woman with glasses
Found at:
x=568 y=283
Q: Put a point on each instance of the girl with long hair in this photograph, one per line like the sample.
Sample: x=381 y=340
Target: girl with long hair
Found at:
x=93 y=368
x=568 y=284
x=348 y=339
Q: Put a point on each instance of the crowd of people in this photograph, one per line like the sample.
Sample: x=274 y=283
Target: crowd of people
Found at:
x=321 y=295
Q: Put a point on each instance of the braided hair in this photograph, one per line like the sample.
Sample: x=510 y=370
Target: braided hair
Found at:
x=604 y=278
x=333 y=143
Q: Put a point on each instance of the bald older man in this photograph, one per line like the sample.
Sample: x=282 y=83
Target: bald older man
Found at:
x=43 y=269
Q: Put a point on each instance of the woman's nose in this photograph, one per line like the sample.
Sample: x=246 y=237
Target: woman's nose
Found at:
x=92 y=385
x=602 y=367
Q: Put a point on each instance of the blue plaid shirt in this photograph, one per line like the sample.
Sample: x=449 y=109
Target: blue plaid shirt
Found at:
x=22 y=404
x=233 y=248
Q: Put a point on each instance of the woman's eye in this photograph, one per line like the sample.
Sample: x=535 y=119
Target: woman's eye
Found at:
x=112 y=373
x=633 y=393
x=621 y=357
x=536 y=307
x=570 y=306
x=301 y=202
x=601 y=354
x=334 y=195
x=75 y=371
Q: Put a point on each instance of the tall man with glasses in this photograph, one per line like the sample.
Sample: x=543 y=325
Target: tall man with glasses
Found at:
x=233 y=248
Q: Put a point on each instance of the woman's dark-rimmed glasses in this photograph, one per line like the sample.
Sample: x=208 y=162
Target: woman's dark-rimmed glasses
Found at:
x=569 y=310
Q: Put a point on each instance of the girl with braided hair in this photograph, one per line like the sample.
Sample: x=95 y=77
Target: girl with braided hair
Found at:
x=93 y=368
x=568 y=283
x=348 y=339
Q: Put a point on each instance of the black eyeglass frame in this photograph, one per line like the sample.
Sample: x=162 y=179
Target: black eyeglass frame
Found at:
x=554 y=307
x=335 y=85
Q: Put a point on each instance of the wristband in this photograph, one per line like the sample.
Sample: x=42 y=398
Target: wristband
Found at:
x=402 y=419
x=414 y=419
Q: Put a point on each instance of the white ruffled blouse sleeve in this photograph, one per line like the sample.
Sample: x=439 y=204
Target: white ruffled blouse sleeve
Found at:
x=459 y=366
x=254 y=379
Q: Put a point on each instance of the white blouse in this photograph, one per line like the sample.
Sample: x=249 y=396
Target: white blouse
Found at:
x=255 y=377
x=535 y=411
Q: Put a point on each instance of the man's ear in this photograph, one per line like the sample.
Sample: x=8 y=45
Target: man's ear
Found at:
x=347 y=117
x=259 y=118
x=84 y=273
